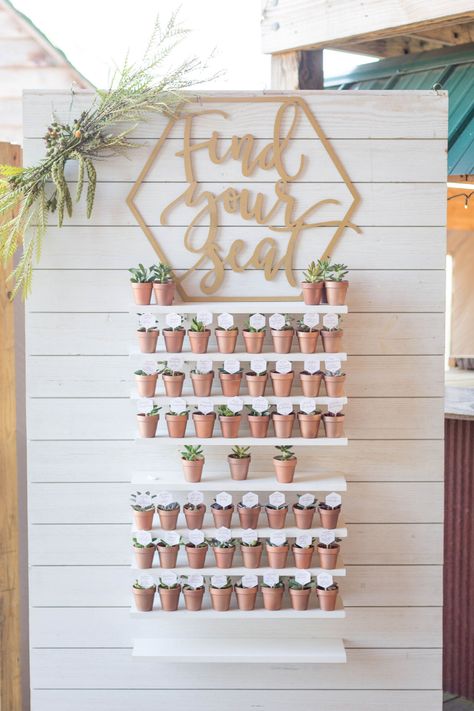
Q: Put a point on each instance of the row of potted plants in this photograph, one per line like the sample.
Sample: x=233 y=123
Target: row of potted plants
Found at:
x=223 y=508
x=220 y=587
x=254 y=332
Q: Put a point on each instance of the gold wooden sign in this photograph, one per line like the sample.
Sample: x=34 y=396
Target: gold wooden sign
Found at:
x=262 y=192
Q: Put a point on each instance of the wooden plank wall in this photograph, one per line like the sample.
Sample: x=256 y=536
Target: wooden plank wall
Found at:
x=81 y=426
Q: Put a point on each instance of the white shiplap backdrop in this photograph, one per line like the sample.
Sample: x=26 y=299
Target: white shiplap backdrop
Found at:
x=81 y=427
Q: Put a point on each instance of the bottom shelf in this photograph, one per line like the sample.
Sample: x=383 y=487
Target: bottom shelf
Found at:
x=244 y=651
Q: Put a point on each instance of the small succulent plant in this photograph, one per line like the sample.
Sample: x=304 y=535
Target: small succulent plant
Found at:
x=141 y=275
x=161 y=273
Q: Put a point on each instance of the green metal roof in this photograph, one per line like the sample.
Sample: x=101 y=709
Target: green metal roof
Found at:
x=449 y=69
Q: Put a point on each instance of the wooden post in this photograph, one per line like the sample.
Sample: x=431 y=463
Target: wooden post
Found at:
x=10 y=683
x=298 y=70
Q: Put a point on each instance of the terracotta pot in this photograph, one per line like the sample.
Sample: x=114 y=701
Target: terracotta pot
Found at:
x=311 y=384
x=258 y=425
x=328 y=557
x=276 y=517
x=332 y=341
x=142 y=293
x=329 y=517
x=307 y=341
x=164 y=293
x=198 y=340
x=246 y=597
x=194 y=518
x=224 y=556
x=309 y=424
x=193 y=599
x=335 y=385
x=169 y=598
x=283 y=425
x=285 y=470
x=204 y=424
x=281 y=383
x=146 y=384
x=327 y=599
x=230 y=383
x=143 y=520
x=336 y=292
x=303 y=557
x=254 y=341
x=176 y=425
x=334 y=425
x=147 y=341
x=202 y=383
x=251 y=555
x=168 y=519
x=256 y=384
x=282 y=340
x=303 y=517
x=220 y=598
x=249 y=517
x=168 y=555
x=226 y=340
x=239 y=468
x=144 y=557
x=299 y=599
x=196 y=556
x=173 y=340
x=147 y=425
x=272 y=598
x=230 y=426
x=222 y=517
x=144 y=599
x=173 y=384
x=193 y=470
x=312 y=292
x=277 y=556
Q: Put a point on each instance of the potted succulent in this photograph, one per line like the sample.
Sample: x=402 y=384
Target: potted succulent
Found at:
x=257 y=377
x=284 y=464
x=143 y=508
x=312 y=284
x=223 y=546
x=202 y=377
x=328 y=550
x=300 y=587
x=329 y=510
x=272 y=590
x=246 y=592
x=282 y=332
x=144 y=547
x=169 y=590
x=163 y=284
x=146 y=379
x=226 y=333
x=249 y=510
x=144 y=590
x=276 y=510
x=168 y=510
x=277 y=550
x=220 y=591
x=282 y=378
x=239 y=462
x=173 y=377
x=174 y=333
x=192 y=459
x=258 y=417
x=254 y=333
x=311 y=377
x=230 y=376
x=334 y=381
x=168 y=548
x=307 y=333
x=334 y=424
x=141 y=281
x=229 y=420
x=196 y=549
x=327 y=591
x=204 y=419
x=177 y=419
x=283 y=420
x=194 y=510
x=303 y=549
x=222 y=509
x=335 y=284
x=309 y=419
x=148 y=421
x=331 y=333
x=304 y=511
x=198 y=336
x=193 y=591
x=251 y=549
x=147 y=333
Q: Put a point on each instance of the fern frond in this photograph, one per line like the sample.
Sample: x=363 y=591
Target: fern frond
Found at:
x=92 y=177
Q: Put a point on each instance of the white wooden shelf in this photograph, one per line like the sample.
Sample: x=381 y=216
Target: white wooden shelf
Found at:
x=216 y=481
x=236 y=571
x=187 y=355
x=247 y=399
x=263 y=531
x=240 y=307
x=160 y=439
x=250 y=650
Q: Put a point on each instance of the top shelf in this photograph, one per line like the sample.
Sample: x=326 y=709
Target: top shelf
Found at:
x=240 y=307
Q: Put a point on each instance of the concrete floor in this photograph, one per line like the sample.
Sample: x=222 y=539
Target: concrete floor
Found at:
x=457 y=703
